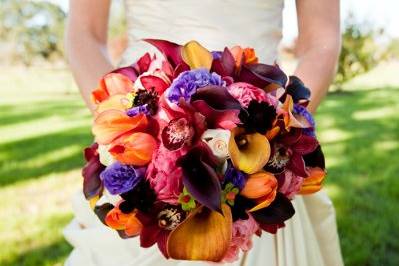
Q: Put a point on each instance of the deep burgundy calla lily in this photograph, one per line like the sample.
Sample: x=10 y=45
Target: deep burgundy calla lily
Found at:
x=200 y=177
x=225 y=64
x=92 y=184
x=262 y=75
x=216 y=97
x=277 y=212
x=297 y=90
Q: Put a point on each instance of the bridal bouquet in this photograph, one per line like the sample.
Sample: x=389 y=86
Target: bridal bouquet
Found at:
x=197 y=151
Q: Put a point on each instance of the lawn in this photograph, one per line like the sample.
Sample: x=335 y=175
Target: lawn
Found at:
x=44 y=126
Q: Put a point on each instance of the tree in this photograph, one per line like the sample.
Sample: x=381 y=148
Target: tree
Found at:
x=359 y=52
x=33 y=29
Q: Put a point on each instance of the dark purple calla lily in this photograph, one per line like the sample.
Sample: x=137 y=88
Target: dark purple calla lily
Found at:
x=315 y=158
x=226 y=119
x=200 y=177
x=297 y=90
x=277 y=212
x=216 y=97
x=225 y=64
x=262 y=75
x=92 y=184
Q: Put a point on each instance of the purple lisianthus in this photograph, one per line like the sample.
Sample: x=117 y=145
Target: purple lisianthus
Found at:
x=141 y=109
x=299 y=109
x=187 y=83
x=120 y=178
x=234 y=176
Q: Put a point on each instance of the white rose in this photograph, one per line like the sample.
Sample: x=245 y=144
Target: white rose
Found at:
x=105 y=156
x=218 y=142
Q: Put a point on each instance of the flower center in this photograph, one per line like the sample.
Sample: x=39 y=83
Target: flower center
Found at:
x=169 y=218
x=279 y=159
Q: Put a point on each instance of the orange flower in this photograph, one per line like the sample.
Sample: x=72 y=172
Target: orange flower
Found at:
x=204 y=235
x=313 y=182
x=237 y=53
x=262 y=187
x=112 y=124
x=250 y=56
x=112 y=84
x=118 y=220
x=135 y=149
x=248 y=152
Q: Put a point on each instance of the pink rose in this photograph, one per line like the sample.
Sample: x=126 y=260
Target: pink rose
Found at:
x=245 y=93
x=243 y=230
x=164 y=176
x=290 y=184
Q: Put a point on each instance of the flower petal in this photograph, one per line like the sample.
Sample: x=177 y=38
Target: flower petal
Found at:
x=116 y=102
x=200 y=178
x=128 y=71
x=225 y=65
x=252 y=155
x=262 y=75
x=135 y=149
x=297 y=165
x=111 y=124
x=277 y=212
x=171 y=51
x=92 y=185
x=153 y=82
x=196 y=56
x=225 y=119
x=259 y=185
x=297 y=90
x=216 y=97
x=315 y=158
x=204 y=235
x=313 y=182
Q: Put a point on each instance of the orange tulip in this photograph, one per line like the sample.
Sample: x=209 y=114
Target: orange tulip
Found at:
x=248 y=152
x=196 y=56
x=118 y=220
x=262 y=187
x=204 y=235
x=112 y=84
x=111 y=124
x=135 y=149
x=116 y=102
x=313 y=182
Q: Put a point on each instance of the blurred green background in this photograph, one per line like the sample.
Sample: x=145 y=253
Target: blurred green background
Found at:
x=44 y=126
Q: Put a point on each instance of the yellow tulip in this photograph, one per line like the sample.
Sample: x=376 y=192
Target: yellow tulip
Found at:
x=196 y=56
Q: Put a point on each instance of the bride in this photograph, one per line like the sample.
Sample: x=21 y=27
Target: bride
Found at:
x=310 y=237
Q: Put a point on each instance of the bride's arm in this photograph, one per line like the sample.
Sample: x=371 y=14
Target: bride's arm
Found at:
x=86 y=43
x=319 y=42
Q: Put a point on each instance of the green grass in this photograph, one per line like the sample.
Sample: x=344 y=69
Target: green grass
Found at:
x=44 y=126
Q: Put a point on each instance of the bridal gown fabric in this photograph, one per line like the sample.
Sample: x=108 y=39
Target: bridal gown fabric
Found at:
x=309 y=238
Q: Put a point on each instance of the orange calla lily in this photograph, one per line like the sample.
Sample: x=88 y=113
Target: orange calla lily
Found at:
x=272 y=133
x=135 y=149
x=313 y=182
x=262 y=187
x=204 y=235
x=111 y=84
x=248 y=152
x=196 y=56
x=111 y=124
x=118 y=220
x=289 y=119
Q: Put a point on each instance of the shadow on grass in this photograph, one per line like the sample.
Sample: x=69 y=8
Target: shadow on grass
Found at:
x=19 y=151
x=45 y=255
x=365 y=173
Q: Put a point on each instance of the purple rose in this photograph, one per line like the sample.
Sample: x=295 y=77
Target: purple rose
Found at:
x=119 y=178
x=187 y=83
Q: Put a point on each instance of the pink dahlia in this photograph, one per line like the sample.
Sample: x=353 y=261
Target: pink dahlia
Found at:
x=164 y=175
x=245 y=93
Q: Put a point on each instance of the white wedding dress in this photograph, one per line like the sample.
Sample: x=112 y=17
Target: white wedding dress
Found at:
x=310 y=237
